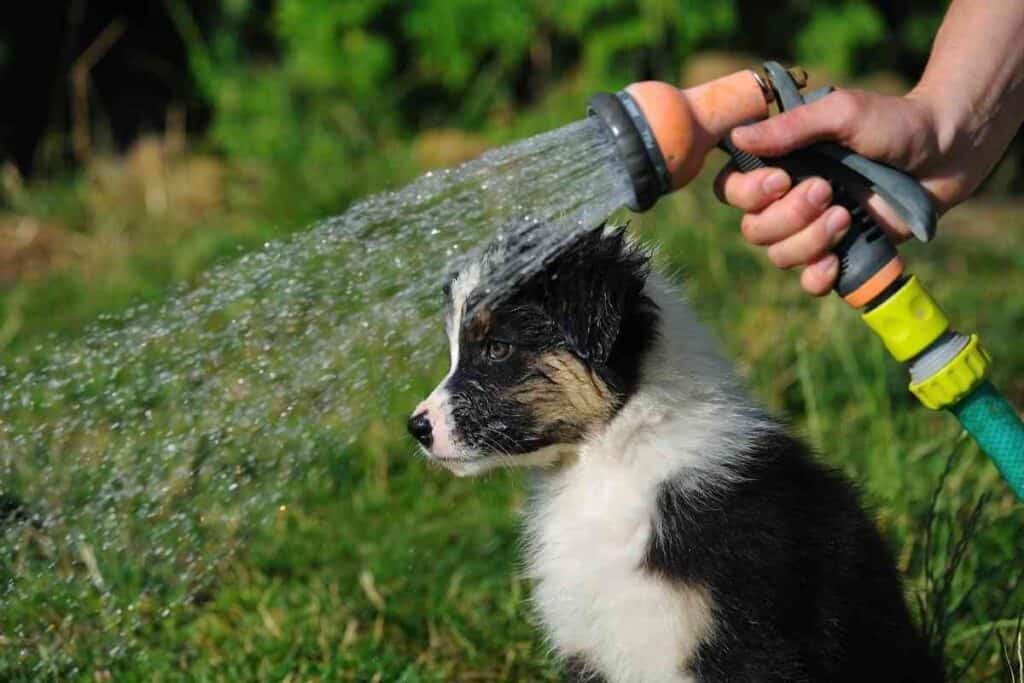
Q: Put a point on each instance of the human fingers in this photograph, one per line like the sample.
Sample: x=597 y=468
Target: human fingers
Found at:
x=819 y=277
x=788 y=215
x=813 y=242
x=837 y=116
x=752 y=191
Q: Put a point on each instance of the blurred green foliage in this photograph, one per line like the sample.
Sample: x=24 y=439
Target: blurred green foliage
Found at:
x=834 y=34
x=311 y=104
x=315 y=103
x=322 y=90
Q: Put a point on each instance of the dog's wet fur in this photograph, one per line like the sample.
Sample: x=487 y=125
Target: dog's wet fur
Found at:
x=676 y=532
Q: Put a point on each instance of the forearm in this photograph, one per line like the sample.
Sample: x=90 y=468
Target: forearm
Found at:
x=949 y=132
x=974 y=85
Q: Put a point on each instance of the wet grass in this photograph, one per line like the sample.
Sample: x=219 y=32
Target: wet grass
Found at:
x=377 y=567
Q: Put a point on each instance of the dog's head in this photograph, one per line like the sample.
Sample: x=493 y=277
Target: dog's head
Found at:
x=547 y=367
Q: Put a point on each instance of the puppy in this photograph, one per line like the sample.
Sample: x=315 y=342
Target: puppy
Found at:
x=676 y=532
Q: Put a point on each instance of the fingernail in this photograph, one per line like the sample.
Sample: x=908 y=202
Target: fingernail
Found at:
x=836 y=221
x=776 y=183
x=819 y=193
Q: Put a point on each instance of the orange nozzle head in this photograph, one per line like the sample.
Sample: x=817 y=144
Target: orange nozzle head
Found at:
x=687 y=124
x=662 y=133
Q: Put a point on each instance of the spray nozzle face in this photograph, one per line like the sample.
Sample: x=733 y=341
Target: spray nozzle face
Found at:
x=636 y=146
x=663 y=134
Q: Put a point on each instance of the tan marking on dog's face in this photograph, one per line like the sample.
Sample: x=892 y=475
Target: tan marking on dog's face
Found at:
x=568 y=395
x=479 y=326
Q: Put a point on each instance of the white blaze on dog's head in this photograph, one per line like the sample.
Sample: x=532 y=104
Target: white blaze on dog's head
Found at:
x=553 y=363
x=437 y=407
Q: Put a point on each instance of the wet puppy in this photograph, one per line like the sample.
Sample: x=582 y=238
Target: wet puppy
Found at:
x=676 y=533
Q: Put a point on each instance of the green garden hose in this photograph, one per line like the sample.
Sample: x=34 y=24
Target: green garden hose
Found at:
x=993 y=423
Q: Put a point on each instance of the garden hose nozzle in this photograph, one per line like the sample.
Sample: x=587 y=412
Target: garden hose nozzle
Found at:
x=663 y=135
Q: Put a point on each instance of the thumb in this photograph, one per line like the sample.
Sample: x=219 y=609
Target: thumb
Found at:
x=820 y=120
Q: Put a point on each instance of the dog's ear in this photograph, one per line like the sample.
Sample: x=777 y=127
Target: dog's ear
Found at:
x=588 y=289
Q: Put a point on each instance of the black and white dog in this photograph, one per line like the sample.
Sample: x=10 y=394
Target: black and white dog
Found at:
x=677 y=533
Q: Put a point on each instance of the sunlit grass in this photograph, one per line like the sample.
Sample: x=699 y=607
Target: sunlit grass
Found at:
x=376 y=566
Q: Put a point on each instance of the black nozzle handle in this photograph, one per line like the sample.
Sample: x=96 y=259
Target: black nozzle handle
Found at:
x=865 y=248
x=899 y=190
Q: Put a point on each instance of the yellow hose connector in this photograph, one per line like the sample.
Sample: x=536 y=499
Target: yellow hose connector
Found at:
x=908 y=321
x=950 y=384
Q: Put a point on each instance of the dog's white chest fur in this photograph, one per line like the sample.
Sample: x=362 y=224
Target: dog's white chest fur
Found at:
x=590 y=527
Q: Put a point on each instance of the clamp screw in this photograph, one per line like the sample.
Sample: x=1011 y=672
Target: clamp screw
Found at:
x=799 y=76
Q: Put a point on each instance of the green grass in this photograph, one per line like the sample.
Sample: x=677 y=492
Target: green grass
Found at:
x=380 y=568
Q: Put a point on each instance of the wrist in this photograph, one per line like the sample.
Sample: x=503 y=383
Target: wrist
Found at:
x=960 y=153
x=942 y=118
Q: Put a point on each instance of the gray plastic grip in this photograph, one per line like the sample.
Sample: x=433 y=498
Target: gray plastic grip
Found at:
x=900 y=191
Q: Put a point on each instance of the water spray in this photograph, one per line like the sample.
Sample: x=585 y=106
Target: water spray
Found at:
x=663 y=134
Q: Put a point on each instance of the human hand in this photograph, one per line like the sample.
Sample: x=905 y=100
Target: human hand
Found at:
x=798 y=225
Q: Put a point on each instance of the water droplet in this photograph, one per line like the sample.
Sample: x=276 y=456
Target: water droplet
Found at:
x=229 y=386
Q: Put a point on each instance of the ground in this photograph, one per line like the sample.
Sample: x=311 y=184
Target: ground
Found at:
x=387 y=569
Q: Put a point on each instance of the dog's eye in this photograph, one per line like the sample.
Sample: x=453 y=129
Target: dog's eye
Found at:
x=497 y=350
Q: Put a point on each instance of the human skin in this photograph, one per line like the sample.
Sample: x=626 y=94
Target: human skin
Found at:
x=948 y=131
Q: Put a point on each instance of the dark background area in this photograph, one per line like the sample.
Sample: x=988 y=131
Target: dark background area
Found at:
x=133 y=84
x=147 y=71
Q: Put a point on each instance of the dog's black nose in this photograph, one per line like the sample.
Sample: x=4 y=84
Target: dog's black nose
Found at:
x=419 y=427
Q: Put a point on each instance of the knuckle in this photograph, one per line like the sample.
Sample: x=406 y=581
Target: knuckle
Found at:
x=794 y=216
x=742 y=191
x=821 y=240
x=782 y=132
x=808 y=205
x=815 y=242
x=815 y=283
x=807 y=281
x=777 y=255
x=847 y=108
x=812 y=286
x=751 y=190
x=749 y=229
